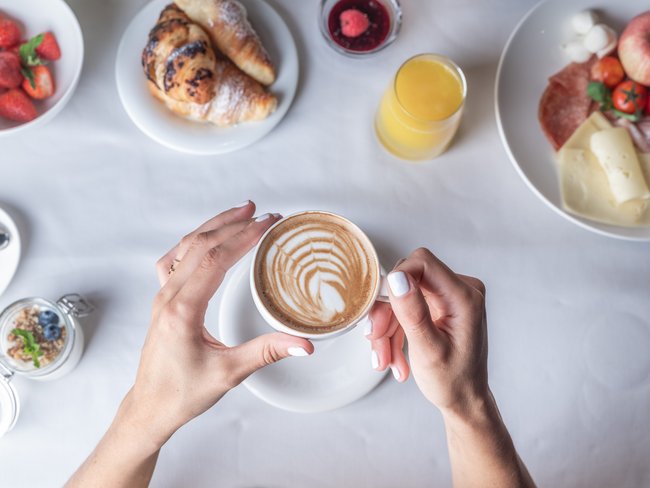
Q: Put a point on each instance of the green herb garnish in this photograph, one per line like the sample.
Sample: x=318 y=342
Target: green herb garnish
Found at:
x=28 y=51
x=598 y=92
x=28 y=73
x=635 y=117
x=31 y=347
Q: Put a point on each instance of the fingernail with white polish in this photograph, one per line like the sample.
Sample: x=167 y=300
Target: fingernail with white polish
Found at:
x=262 y=218
x=399 y=283
x=243 y=204
x=396 y=373
x=367 y=329
x=277 y=215
x=374 y=360
x=297 y=351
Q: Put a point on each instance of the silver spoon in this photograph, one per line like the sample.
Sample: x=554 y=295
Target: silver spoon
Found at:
x=5 y=237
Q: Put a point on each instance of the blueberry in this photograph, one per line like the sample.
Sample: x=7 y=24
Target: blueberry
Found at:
x=51 y=332
x=47 y=317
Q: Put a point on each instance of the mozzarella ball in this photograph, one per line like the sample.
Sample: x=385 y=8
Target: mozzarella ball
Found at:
x=599 y=37
x=576 y=51
x=582 y=22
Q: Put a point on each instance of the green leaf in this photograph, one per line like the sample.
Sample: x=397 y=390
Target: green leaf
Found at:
x=28 y=51
x=28 y=73
x=635 y=117
x=598 y=92
x=30 y=346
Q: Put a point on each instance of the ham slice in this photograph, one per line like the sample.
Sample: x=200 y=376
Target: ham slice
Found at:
x=565 y=104
x=640 y=132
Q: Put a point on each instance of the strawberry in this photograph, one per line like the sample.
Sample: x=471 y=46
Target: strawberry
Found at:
x=48 y=48
x=15 y=105
x=10 y=75
x=9 y=33
x=16 y=48
x=38 y=82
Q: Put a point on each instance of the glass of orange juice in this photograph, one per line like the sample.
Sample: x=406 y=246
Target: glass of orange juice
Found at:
x=421 y=110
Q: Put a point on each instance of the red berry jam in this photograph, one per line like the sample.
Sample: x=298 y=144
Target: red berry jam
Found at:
x=375 y=34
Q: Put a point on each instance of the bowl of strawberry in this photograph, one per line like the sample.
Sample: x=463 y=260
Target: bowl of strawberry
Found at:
x=41 y=55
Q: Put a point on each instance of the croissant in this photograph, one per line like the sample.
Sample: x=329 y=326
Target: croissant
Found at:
x=178 y=58
x=227 y=24
x=238 y=98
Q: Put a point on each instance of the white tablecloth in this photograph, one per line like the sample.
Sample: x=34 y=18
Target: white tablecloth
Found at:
x=98 y=202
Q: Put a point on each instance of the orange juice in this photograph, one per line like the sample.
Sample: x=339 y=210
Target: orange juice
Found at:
x=421 y=110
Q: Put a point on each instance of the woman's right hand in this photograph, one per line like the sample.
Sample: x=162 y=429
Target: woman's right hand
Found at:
x=443 y=317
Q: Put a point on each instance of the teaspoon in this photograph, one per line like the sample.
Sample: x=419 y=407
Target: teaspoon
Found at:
x=5 y=237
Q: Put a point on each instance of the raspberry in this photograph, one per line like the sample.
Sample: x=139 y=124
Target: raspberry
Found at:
x=353 y=23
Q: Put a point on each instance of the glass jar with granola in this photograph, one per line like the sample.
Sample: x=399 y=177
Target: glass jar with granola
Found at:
x=40 y=340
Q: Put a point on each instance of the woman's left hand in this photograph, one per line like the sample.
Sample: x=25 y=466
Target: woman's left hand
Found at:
x=183 y=369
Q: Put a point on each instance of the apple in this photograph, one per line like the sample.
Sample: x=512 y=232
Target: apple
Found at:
x=634 y=49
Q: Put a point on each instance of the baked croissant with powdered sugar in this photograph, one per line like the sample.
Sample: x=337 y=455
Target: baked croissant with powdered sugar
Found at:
x=226 y=22
x=182 y=79
x=178 y=58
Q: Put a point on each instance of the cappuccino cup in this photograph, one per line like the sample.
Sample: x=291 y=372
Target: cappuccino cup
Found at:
x=315 y=275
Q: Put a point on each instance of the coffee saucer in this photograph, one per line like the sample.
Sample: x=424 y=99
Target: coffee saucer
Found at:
x=9 y=255
x=336 y=374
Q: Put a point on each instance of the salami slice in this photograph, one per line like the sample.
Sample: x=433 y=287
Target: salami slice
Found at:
x=565 y=104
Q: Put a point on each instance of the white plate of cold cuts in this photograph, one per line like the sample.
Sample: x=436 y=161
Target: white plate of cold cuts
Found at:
x=535 y=52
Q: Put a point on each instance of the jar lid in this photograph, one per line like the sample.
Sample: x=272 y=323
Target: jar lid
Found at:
x=9 y=404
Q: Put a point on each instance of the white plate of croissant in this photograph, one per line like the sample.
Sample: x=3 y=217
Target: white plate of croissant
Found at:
x=207 y=76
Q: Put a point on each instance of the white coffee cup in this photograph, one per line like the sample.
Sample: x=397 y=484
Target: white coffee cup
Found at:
x=379 y=293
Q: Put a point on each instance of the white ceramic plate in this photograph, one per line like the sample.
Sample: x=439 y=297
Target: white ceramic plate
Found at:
x=531 y=56
x=10 y=255
x=34 y=17
x=338 y=373
x=153 y=118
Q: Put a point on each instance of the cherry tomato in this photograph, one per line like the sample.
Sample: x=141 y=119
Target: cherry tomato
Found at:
x=608 y=70
x=630 y=97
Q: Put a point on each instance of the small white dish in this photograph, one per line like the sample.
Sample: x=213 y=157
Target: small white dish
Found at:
x=337 y=374
x=155 y=120
x=10 y=255
x=531 y=55
x=34 y=17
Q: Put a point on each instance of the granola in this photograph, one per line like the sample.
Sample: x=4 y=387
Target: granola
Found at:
x=48 y=334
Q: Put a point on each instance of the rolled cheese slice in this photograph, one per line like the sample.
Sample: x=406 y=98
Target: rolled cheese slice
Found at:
x=615 y=152
x=581 y=138
x=586 y=192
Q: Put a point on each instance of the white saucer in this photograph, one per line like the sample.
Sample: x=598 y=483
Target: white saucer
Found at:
x=338 y=373
x=153 y=118
x=9 y=256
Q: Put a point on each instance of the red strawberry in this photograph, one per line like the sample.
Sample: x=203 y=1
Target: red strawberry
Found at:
x=48 y=48
x=10 y=75
x=38 y=83
x=9 y=33
x=15 y=105
x=16 y=48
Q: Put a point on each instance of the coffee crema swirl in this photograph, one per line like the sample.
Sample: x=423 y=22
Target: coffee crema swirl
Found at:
x=316 y=272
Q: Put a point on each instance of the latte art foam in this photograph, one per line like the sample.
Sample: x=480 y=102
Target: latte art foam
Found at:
x=316 y=272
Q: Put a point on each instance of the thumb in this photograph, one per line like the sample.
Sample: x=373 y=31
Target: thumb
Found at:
x=412 y=311
x=267 y=349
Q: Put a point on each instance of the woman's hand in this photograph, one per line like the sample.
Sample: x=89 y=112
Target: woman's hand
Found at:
x=183 y=369
x=443 y=316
